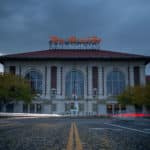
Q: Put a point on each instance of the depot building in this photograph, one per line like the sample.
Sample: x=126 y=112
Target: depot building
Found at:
x=76 y=76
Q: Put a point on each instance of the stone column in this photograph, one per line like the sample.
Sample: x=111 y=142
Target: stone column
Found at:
x=28 y=108
x=85 y=82
x=142 y=75
x=17 y=70
x=104 y=81
x=48 y=82
x=58 y=82
x=63 y=82
x=131 y=76
x=100 y=84
x=90 y=82
x=35 y=108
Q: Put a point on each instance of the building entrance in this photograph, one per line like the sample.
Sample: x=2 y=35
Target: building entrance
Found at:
x=74 y=89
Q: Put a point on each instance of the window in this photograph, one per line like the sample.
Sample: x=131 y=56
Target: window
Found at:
x=25 y=108
x=9 y=107
x=138 y=108
x=95 y=93
x=95 y=77
x=1 y=106
x=35 y=79
x=117 y=108
x=81 y=107
x=53 y=77
x=53 y=93
x=38 y=108
x=123 y=108
x=115 y=83
x=148 y=109
x=53 y=107
x=109 y=109
x=32 y=108
x=95 y=80
x=74 y=85
x=136 y=76
x=12 y=69
x=67 y=107
x=94 y=107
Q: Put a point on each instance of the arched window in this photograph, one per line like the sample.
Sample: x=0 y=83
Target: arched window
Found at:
x=115 y=83
x=35 y=79
x=74 y=84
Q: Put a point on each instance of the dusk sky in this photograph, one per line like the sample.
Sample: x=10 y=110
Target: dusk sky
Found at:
x=123 y=25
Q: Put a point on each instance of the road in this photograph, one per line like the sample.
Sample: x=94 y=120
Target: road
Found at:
x=74 y=133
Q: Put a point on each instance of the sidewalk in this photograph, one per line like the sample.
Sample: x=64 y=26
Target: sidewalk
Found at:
x=27 y=115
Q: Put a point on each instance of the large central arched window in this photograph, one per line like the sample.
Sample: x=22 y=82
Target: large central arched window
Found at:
x=115 y=83
x=74 y=84
x=35 y=79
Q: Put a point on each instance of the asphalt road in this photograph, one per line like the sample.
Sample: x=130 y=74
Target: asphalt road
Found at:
x=70 y=133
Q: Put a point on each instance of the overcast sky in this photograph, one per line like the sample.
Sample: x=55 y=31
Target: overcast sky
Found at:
x=123 y=25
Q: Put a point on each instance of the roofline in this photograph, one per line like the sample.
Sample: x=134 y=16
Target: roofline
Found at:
x=144 y=58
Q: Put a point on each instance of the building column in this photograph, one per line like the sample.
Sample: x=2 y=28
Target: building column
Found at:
x=90 y=82
x=63 y=82
x=17 y=70
x=142 y=75
x=104 y=81
x=120 y=111
x=35 y=108
x=131 y=72
x=100 y=85
x=58 y=82
x=113 y=109
x=28 y=108
x=86 y=83
x=48 y=82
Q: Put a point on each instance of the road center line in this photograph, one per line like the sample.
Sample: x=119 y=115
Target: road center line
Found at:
x=77 y=138
x=74 y=141
x=70 y=139
x=132 y=129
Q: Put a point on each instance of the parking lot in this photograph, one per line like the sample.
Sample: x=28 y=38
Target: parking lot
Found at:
x=58 y=133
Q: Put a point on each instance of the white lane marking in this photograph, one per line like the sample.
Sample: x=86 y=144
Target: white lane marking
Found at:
x=105 y=129
x=132 y=129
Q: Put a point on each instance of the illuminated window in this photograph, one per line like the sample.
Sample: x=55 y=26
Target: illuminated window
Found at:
x=115 y=83
x=35 y=79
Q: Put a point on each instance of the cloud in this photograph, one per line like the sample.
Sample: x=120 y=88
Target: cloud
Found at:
x=27 y=25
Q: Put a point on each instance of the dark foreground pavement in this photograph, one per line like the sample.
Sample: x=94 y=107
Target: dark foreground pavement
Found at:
x=94 y=133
